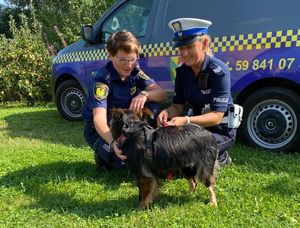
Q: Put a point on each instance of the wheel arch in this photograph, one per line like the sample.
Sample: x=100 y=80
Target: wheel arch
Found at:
x=63 y=78
x=267 y=82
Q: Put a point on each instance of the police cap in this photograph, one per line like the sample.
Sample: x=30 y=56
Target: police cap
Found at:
x=186 y=30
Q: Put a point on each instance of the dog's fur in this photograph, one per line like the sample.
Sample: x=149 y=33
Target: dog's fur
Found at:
x=189 y=151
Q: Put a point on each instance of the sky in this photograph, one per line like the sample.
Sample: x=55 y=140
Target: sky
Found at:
x=1 y=1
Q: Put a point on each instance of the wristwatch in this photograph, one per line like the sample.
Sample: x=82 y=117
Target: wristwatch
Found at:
x=145 y=93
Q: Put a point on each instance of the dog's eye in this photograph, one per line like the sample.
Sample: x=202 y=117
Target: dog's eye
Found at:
x=126 y=126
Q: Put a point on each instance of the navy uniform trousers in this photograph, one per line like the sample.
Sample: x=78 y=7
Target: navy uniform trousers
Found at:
x=225 y=138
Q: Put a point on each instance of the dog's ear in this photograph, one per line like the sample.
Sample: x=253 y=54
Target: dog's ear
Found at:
x=146 y=114
x=116 y=113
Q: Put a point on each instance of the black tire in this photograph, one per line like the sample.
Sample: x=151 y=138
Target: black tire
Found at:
x=271 y=120
x=70 y=100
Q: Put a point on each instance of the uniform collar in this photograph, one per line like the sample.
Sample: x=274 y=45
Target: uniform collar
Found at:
x=205 y=62
x=110 y=68
x=114 y=73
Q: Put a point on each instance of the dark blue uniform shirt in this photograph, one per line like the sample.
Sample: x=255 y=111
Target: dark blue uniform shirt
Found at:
x=107 y=90
x=210 y=90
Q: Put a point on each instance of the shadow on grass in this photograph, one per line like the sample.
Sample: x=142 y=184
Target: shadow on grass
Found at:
x=284 y=186
x=46 y=125
x=48 y=185
x=259 y=161
x=283 y=168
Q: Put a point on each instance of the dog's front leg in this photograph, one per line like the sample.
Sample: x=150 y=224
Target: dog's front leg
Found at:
x=192 y=184
x=159 y=184
x=212 y=196
x=147 y=189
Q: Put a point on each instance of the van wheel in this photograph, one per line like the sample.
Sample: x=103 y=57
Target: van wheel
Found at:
x=70 y=100
x=271 y=119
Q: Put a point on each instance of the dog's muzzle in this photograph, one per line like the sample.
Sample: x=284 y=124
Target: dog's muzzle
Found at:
x=121 y=140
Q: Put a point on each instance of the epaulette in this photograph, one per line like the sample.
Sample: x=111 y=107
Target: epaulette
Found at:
x=180 y=68
x=216 y=69
x=142 y=75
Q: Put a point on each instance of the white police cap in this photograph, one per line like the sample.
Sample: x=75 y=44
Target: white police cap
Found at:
x=186 y=30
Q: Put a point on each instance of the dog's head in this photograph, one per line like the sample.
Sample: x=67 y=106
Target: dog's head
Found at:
x=125 y=122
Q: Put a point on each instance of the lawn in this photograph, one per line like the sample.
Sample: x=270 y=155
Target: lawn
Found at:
x=48 y=179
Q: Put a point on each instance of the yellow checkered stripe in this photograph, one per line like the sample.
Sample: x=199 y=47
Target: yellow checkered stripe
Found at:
x=80 y=56
x=277 y=39
x=162 y=49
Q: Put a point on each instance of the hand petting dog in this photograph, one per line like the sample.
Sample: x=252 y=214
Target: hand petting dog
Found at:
x=138 y=103
x=176 y=121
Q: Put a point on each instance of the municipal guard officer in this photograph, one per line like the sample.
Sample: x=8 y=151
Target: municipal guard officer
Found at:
x=120 y=84
x=203 y=82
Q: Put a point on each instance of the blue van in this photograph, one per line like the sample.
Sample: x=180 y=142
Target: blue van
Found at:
x=259 y=40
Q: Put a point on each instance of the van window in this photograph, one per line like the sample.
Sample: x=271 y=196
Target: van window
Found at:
x=132 y=16
x=241 y=17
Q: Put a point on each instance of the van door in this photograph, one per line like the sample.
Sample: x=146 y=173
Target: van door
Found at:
x=135 y=16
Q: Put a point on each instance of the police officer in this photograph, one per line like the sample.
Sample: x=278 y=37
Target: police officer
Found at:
x=203 y=82
x=119 y=84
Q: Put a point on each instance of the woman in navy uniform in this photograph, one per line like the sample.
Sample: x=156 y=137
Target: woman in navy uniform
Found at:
x=203 y=82
x=120 y=84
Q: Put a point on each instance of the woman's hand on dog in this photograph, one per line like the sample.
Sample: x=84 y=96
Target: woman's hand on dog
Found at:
x=176 y=121
x=138 y=102
x=162 y=118
x=118 y=152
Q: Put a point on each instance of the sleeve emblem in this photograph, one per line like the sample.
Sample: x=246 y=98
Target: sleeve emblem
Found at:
x=100 y=91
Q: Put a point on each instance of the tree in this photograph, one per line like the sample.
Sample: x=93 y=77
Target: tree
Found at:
x=25 y=63
x=67 y=16
x=5 y=13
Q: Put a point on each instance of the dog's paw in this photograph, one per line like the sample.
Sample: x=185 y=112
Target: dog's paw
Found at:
x=213 y=204
x=143 y=207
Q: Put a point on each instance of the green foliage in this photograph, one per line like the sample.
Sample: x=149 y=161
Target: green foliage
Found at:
x=71 y=15
x=48 y=179
x=50 y=24
x=24 y=64
x=66 y=16
x=5 y=14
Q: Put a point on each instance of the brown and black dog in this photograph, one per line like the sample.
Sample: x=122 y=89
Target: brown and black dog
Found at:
x=154 y=154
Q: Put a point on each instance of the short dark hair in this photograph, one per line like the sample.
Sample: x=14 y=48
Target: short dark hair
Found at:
x=123 y=40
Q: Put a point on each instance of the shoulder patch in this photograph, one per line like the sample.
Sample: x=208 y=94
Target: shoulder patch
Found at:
x=142 y=75
x=217 y=69
x=100 y=91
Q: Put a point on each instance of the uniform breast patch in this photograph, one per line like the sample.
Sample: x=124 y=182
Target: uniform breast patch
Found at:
x=132 y=90
x=100 y=91
x=143 y=75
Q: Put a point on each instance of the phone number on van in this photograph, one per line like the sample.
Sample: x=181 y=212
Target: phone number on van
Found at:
x=243 y=65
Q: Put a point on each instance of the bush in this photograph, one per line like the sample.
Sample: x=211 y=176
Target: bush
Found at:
x=24 y=64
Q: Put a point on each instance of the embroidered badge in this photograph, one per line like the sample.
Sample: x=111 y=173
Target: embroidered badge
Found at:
x=132 y=90
x=205 y=91
x=143 y=75
x=217 y=70
x=100 y=91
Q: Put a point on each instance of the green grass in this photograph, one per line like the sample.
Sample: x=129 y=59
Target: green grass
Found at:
x=48 y=179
